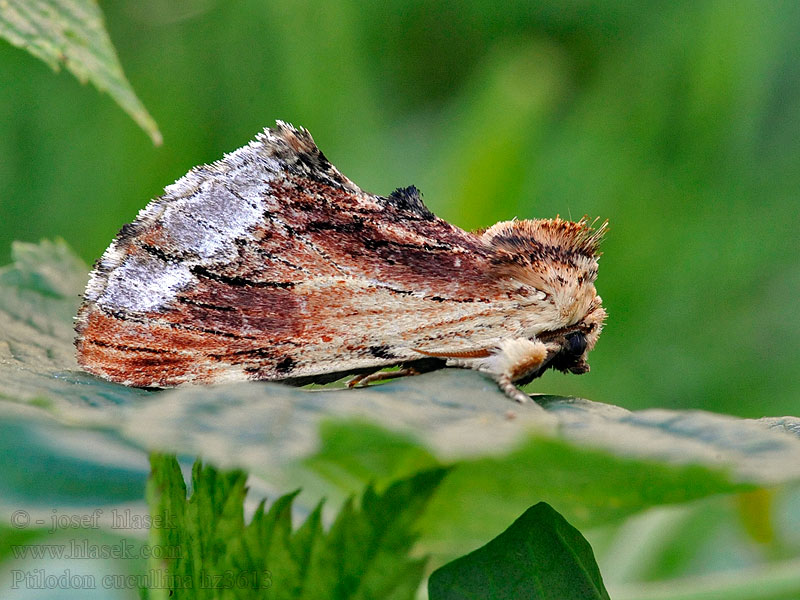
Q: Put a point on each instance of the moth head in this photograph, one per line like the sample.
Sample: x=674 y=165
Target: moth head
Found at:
x=550 y=265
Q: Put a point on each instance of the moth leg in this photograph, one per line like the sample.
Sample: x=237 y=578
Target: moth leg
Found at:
x=351 y=383
x=509 y=389
x=512 y=359
x=366 y=378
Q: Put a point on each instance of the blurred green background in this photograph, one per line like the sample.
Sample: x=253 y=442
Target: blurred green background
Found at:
x=678 y=122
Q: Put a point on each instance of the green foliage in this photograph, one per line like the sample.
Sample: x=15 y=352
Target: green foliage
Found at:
x=39 y=295
x=539 y=557
x=11 y=537
x=595 y=463
x=363 y=555
x=71 y=33
x=504 y=457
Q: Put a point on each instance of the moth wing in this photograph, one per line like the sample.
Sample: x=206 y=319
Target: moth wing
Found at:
x=271 y=264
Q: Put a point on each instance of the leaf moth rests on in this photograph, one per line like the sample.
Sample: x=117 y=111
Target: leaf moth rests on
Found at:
x=271 y=265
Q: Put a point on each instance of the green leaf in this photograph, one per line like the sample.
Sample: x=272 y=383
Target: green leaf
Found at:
x=39 y=296
x=540 y=557
x=365 y=554
x=71 y=33
x=594 y=463
x=360 y=556
x=353 y=454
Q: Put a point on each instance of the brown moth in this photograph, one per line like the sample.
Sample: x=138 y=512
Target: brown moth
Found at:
x=271 y=265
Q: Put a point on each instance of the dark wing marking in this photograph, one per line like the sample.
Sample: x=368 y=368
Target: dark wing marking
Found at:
x=409 y=200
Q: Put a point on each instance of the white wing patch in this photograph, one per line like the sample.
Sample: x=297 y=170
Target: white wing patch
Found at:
x=144 y=283
x=201 y=217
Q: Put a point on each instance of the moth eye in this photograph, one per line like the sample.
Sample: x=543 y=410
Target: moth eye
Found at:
x=574 y=343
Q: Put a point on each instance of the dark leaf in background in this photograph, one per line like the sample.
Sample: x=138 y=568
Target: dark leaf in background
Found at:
x=540 y=557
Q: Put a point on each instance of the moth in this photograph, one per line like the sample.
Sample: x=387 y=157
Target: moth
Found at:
x=269 y=264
